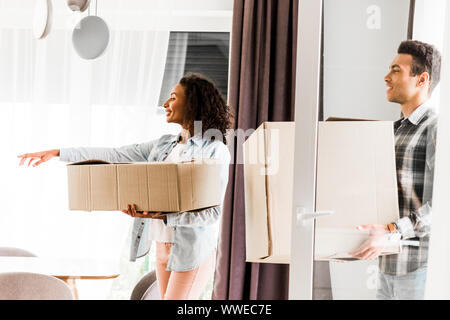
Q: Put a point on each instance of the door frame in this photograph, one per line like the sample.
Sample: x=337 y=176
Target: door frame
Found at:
x=307 y=101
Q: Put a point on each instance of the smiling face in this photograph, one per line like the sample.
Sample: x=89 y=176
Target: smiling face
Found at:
x=401 y=85
x=176 y=106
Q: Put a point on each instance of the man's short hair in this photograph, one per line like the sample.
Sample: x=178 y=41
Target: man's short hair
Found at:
x=426 y=58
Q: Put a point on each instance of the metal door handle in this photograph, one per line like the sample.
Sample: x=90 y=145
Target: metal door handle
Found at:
x=303 y=215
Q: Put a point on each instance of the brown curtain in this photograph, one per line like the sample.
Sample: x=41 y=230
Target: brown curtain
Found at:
x=262 y=82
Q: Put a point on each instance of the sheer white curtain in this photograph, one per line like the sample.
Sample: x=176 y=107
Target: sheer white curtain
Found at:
x=50 y=98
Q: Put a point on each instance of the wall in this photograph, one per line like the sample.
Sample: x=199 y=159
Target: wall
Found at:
x=438 y=278
x=361 y=38
x=429 y=23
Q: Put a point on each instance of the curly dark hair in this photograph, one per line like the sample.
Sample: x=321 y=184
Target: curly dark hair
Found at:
x=205 y=103
x=426 y=58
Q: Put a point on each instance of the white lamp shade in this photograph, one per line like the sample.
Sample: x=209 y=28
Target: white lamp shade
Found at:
x=90 y=38
x=78 y=5
x=43 y=17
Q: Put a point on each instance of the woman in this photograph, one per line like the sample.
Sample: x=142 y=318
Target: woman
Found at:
x=185 y=242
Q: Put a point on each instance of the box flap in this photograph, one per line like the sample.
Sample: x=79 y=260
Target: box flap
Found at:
x=278 y=259
x=186 y=185
x=88 y=162
x=279 y=184
x=78 y=178
x=94 y=162
x=132 y=186
x=103 y=187
x=256 y=224
x=163 y=183
x=346 y=119
x=200 y=186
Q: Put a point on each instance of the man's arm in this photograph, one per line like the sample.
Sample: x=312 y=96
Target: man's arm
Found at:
x=418 y=223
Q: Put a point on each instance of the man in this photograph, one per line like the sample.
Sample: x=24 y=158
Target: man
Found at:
x=413 y=76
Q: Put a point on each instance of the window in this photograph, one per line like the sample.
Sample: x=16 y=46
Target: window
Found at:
x=201 y=52
x=54 y=99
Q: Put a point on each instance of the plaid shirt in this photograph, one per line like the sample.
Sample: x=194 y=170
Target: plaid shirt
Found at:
x=415 y=142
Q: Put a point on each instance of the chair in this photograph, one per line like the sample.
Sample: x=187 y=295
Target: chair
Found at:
x=147 y=288
x=15 y=252
x=32 y=286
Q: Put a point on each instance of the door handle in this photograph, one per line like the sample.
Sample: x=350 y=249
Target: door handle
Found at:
x=304 y=215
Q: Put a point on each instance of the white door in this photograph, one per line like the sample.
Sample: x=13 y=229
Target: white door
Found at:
x=306 y=120
x=360 y=40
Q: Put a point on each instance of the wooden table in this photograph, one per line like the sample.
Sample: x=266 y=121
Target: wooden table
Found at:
x=68 y=270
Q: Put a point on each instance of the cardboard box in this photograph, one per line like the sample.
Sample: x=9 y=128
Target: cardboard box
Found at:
x=268 y=192
x=356 y=178
x=153 y=186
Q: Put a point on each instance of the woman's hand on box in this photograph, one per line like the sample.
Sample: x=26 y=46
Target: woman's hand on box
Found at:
x=42 y=156
x=131 y=211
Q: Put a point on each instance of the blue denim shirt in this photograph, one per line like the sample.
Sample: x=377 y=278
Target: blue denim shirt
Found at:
x=194 y=232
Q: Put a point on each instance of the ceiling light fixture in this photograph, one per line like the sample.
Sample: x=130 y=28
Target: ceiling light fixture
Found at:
x=90 y=38
x=78 y=5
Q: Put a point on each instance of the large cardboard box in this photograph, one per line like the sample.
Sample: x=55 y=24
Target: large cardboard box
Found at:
x=356 y=178
x=268 y=169
x=154 y=186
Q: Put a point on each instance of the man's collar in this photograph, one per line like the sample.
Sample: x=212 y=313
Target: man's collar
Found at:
x=418 y=114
